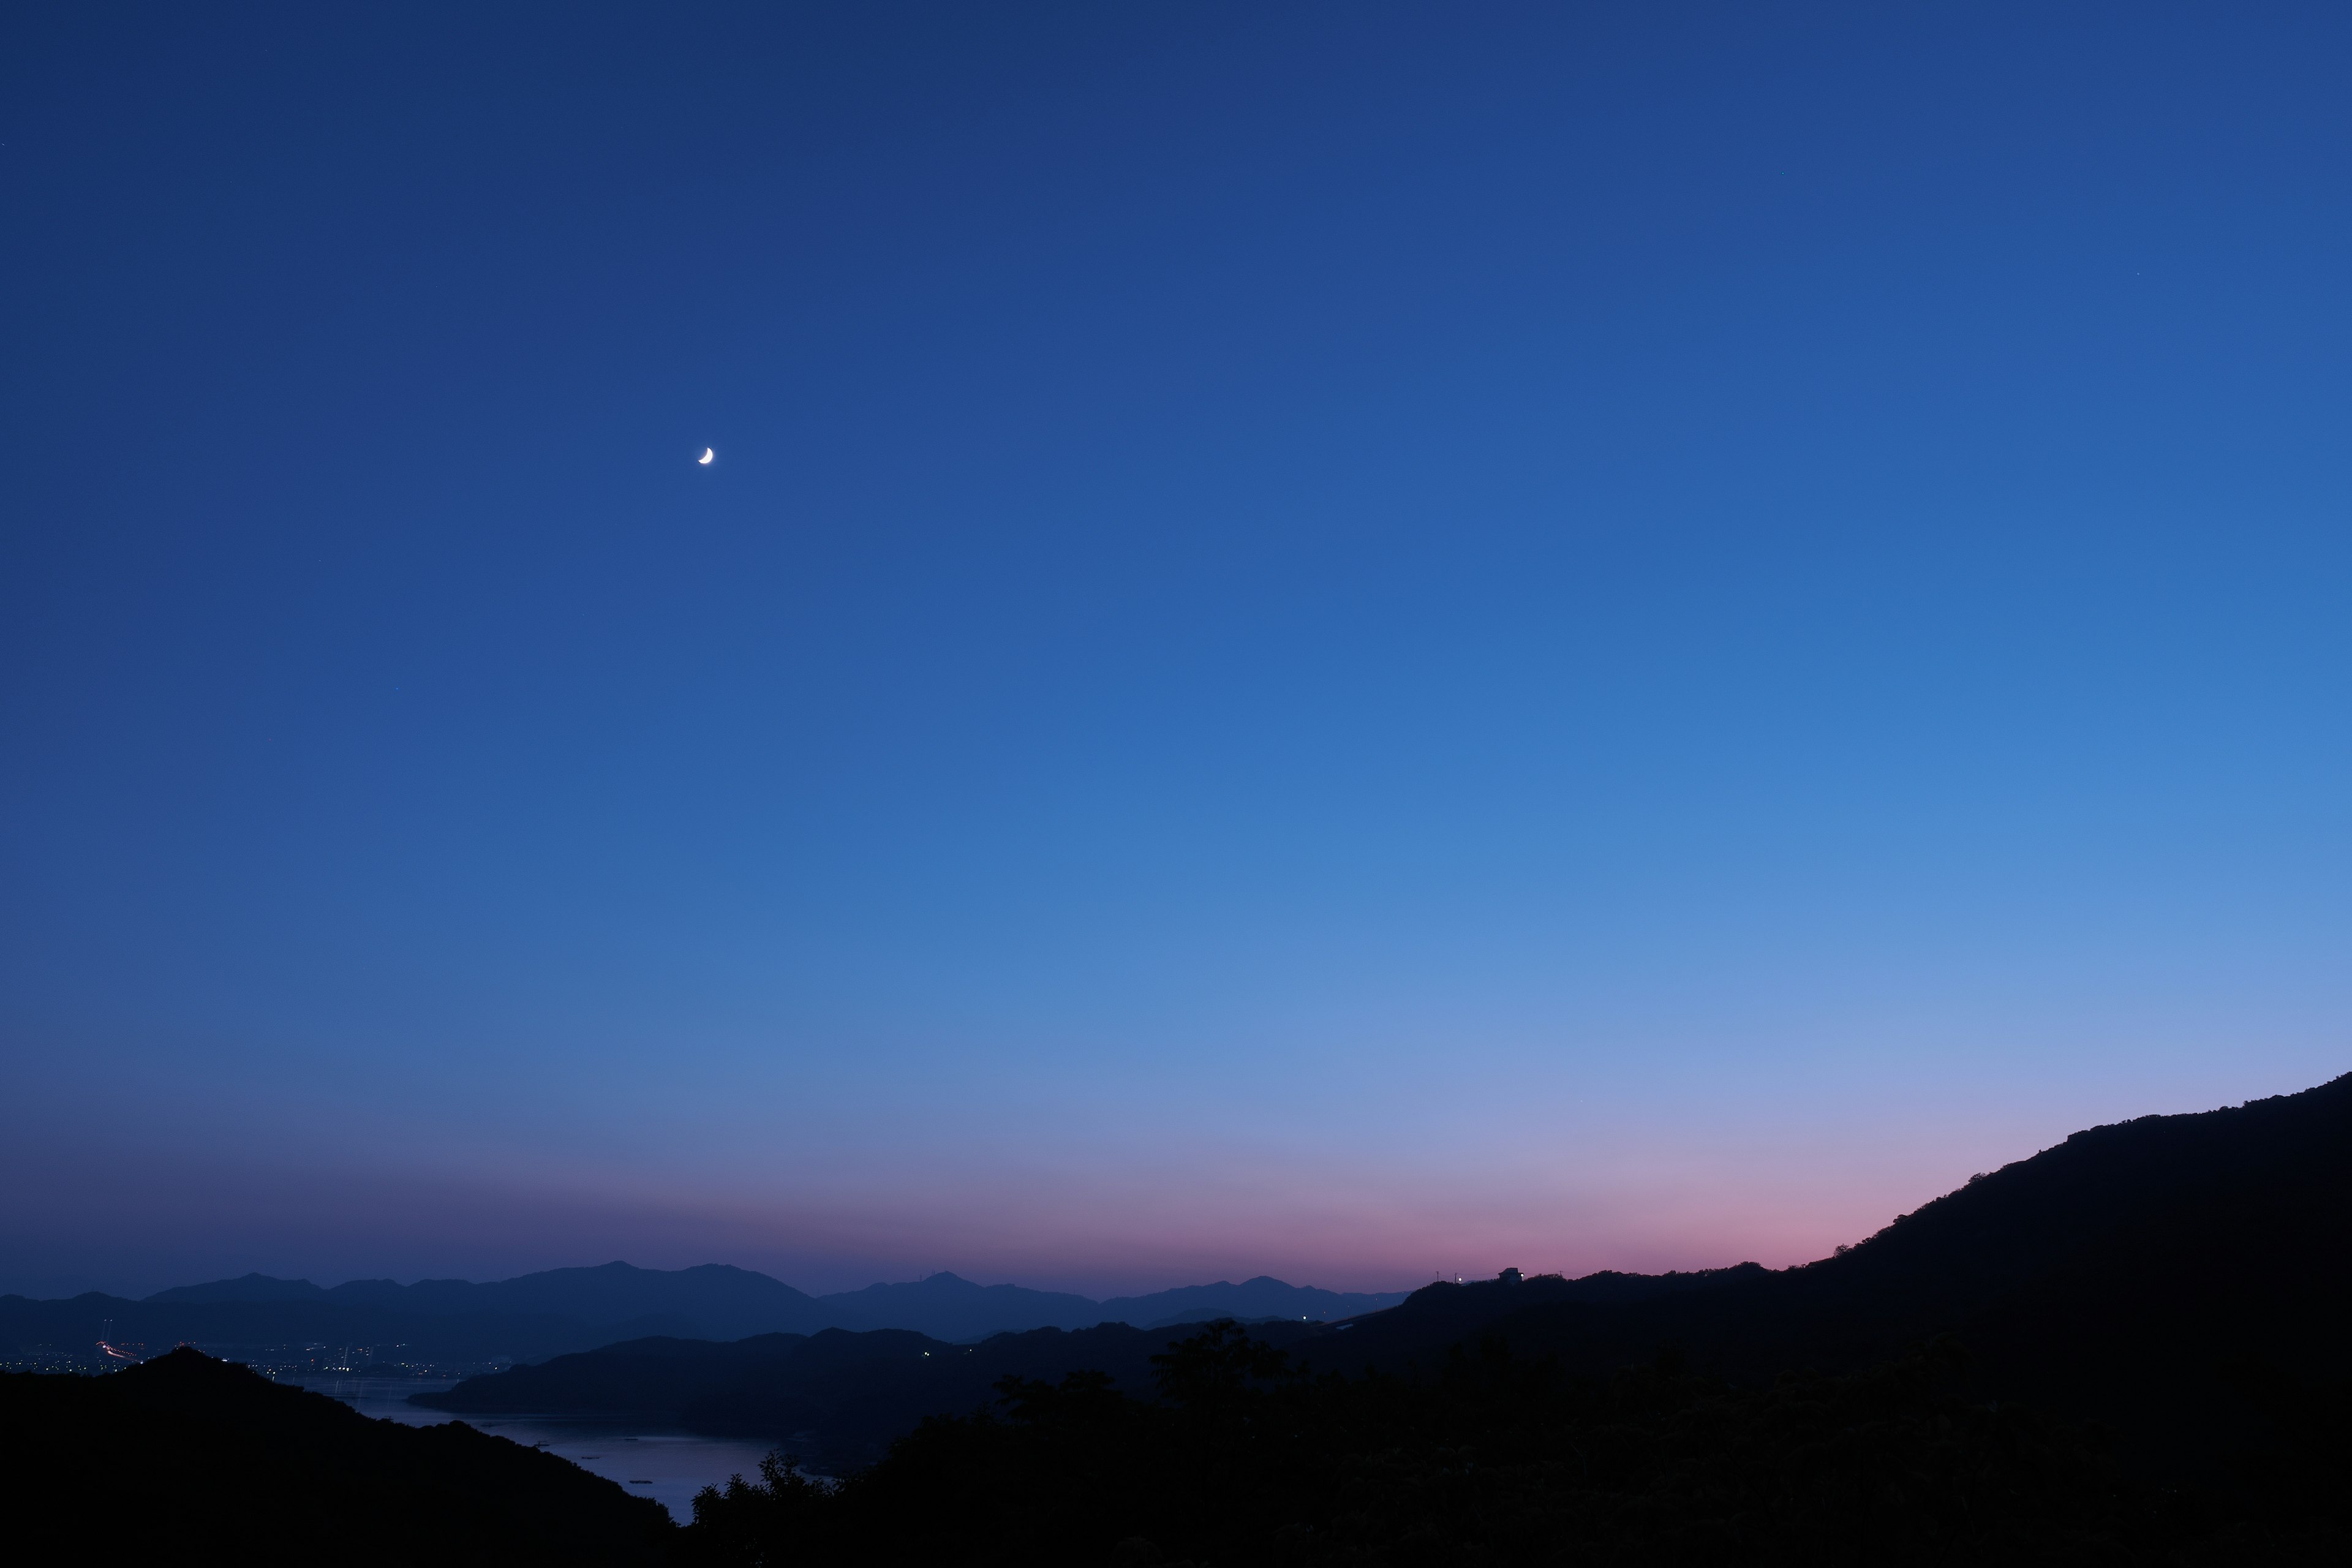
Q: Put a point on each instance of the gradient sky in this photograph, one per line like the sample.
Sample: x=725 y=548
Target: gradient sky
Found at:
x=1343 y=641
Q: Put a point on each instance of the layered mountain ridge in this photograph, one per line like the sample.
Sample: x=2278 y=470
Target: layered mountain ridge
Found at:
x=725 y=1303
x=559 y=1311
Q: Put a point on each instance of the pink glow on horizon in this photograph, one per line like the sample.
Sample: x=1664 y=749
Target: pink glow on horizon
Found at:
x=1122 y=1232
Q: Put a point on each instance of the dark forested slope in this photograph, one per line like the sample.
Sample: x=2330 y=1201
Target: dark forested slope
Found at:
x=1489 y=1458
x=835 y=1397
x=186 y=1459
x=2155 y=1273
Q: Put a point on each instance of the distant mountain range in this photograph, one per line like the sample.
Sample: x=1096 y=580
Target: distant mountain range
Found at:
x=722 y=1302
x=457 y=1323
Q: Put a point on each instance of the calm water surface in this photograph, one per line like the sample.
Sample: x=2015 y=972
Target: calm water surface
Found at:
x=667 y=1465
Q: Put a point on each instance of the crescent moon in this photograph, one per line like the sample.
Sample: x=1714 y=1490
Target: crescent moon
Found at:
x=706 y=457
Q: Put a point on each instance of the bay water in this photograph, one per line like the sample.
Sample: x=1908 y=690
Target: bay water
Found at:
x=667 y=1465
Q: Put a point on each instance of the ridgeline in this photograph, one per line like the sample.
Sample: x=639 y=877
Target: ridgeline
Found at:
x=2128 y=1349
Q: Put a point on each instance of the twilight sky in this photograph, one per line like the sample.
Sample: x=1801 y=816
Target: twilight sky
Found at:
x=1344 y=641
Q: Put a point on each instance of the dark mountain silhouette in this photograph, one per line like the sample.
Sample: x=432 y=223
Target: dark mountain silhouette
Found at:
x=950 y=1308
x=184 y=1458
x=250 y=1288
x=1243 y=1458
x=1262 y=1298
x=2165 y=1274
x=837 y=1397
x=2170 y=1275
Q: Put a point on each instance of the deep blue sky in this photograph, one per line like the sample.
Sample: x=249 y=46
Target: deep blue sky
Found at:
x=1345 y=641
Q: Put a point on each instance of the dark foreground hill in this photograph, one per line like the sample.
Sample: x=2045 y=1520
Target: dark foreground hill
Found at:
x=1245 y=1460
x=184 y=1458
x=2165 y=1276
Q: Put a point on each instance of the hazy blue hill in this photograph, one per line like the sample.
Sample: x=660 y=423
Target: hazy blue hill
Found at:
x=537 y=1315
x=251 y=1288
x=950 y=1308
x=712 y=1301
x=721 y=1302
x=1263 y=1297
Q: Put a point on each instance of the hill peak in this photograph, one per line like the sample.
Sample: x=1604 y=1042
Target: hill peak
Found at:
x=245 y=1287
